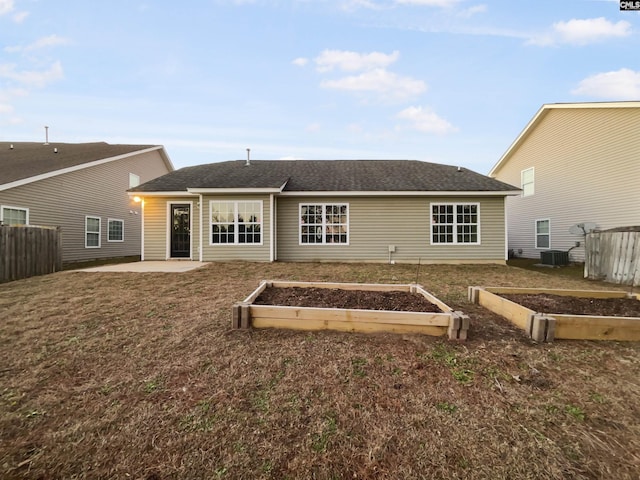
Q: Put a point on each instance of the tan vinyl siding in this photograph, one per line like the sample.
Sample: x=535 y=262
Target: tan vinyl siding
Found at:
x=249 y=252
x=100 y=191
x=156 y=226
x=377 y=222
x=156 y=242
x=587 y=167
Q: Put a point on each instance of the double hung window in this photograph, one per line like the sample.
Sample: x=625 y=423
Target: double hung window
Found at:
x=543 y=233
x=92 y=232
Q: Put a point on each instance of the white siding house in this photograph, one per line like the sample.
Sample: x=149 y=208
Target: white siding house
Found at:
x=576 y=163
x=81 y=188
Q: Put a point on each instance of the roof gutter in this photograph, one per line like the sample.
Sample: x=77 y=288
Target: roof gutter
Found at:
x=141 y=193
x=386 y=193
x=223 y=191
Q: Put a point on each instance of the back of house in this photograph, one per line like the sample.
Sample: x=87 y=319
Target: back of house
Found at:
x=326 y=211
x=81 y=188
x=578 y=166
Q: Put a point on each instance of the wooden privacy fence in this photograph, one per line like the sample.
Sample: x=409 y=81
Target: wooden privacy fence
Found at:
x=613 y=255
x=26 y=251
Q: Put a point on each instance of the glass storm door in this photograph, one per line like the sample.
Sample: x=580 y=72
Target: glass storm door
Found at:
x=180 y=231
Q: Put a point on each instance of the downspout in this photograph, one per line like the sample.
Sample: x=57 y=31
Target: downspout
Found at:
x=142 y=230
x=272 y=233
x=506 y=230
x=200 y=242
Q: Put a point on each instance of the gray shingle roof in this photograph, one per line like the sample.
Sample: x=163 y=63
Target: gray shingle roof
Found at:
x=29 y=159
x=327 y=176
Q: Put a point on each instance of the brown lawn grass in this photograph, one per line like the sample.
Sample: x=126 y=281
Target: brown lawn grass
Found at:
x=109 y=375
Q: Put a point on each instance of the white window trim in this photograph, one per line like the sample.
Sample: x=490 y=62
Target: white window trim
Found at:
x=134 y=180
x=533 y=182
x=109 y=220
x=455 y=233
x=324 y=225
x=535 y=232
x=236 y=231
x=87 y=217
x=10 y=207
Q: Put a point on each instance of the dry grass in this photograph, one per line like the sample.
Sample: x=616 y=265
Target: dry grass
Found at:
x=107 y=375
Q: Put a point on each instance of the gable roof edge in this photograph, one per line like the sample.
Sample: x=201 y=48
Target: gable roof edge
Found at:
x=55 y=173
x=541 y=113
x=525 y=131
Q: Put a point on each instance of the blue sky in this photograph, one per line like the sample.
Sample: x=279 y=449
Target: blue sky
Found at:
x=447 y=81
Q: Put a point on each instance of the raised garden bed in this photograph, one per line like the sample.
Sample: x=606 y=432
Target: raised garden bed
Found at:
x=546 y=314
x=351 y=307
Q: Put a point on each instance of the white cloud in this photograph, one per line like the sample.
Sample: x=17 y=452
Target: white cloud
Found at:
x=429 y=3
x=313 y=127
x=6 y=6
x=623 y=84
x=582 y=32
x=49 y=41
x=351 y=5
x=300 y=61
x=380 y=81
x=374 y=78
x=6 y=108
x=471 y=11
x=32 y=77
x=353 y=61
x=425 y=120
x=19 y=17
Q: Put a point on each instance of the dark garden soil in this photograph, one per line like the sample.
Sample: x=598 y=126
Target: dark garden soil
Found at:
x=352 y=299
x=546 y=303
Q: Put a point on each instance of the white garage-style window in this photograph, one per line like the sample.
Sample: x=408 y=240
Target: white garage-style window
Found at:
x=134 y=180
x=14 y=215
x=236 y=222
x=324 y=223
x=91 y=232
x=115 y=230
x=543 y=233
x=527 y=182
x=455 y=223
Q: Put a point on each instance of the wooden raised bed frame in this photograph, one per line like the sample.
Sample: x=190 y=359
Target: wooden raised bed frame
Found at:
x=246 y=314
x=548 y=326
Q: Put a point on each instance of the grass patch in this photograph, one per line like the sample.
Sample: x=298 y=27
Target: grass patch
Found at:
x=446 y=407
x=322 y=439
x=125 y=375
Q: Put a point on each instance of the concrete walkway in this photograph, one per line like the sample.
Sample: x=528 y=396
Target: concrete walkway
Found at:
x=169 y=266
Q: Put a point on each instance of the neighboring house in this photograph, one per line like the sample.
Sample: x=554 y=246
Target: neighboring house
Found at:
x=81 y=188
x=576 y=163
x=325 y=210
